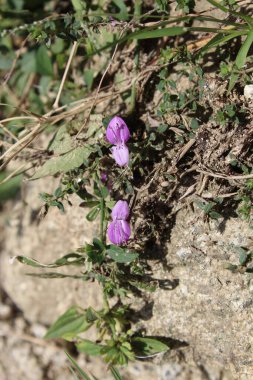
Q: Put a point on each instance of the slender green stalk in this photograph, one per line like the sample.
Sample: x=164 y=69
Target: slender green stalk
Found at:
x=102 y=216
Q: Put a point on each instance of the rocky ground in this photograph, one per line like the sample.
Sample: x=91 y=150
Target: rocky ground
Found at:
x=206 y=309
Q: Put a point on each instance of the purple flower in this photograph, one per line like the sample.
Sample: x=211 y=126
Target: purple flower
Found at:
x=120 y=211
x=119 y=230
x=120 y=154
x=103 y=177
x=117 y=132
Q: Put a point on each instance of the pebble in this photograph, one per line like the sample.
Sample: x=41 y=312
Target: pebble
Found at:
x=248 y=92
x=5 y=311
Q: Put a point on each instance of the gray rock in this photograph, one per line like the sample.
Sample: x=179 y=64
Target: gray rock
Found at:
x=41 y=300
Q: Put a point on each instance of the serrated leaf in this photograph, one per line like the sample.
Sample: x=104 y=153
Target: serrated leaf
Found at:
x=69 y=325
x=121 y=255
x=89 y=347
x=64 y=163
x=148 y=346
x=69 y=259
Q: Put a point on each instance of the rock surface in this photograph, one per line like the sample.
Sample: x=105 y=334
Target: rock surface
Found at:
x=208 y=314
x=56 y=235
x=211 y=308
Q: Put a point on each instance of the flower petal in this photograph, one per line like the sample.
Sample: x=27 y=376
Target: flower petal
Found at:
x=120 y=210
x=119 y=232
x=120 y=154
x=117 y=131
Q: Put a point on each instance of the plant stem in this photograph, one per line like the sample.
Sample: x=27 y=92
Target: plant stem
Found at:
x=137 y=14
x=102 y=216
x=106 y=303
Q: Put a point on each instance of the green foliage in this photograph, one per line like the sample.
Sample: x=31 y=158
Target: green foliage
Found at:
x=209 y=208
x=240 y=59
x=64 y=163
x=121 y=255
x=84 y=376
x=69 y=259
x=186 y=5
x=71 y=323
x=245 y=258
x=10 y=188
x=148 y=346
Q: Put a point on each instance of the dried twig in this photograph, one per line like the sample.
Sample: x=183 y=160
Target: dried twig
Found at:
x=100 y=84
x=225 y=176
x=72 y=53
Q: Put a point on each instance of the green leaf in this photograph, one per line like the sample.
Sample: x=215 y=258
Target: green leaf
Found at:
x=6 y=60
x=123 y=15
x=157 y=33
x=62 y=142
x=78 y=5
x=58 y=192
x=69 y=259
x=149 y=286
x=121 y=255
x=89 y=347
x=243 y=258
x=241 y=59
x=115 y=373
x=89 y=78
x=53 y=275
x=78 y=369
x=215 y=215
x=94 y=126
x=89 y=203
x=148 y=346
x=93 y=213
x=64 y=163
x=43 y=62
x=28 y=62
x=98 y=244
x=219 y=39
x=10 y=188
x=69 y=325
x=58 y=46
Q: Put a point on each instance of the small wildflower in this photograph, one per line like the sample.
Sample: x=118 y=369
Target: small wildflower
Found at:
x=119 y=230
x=120 y=154
x=103 y=177
x=117 y=132
x=120 y=211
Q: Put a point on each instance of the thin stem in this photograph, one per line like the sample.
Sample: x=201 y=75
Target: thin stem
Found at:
x=102 y=216
x=72 y=53
x=106 y=303
x=137 y=15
